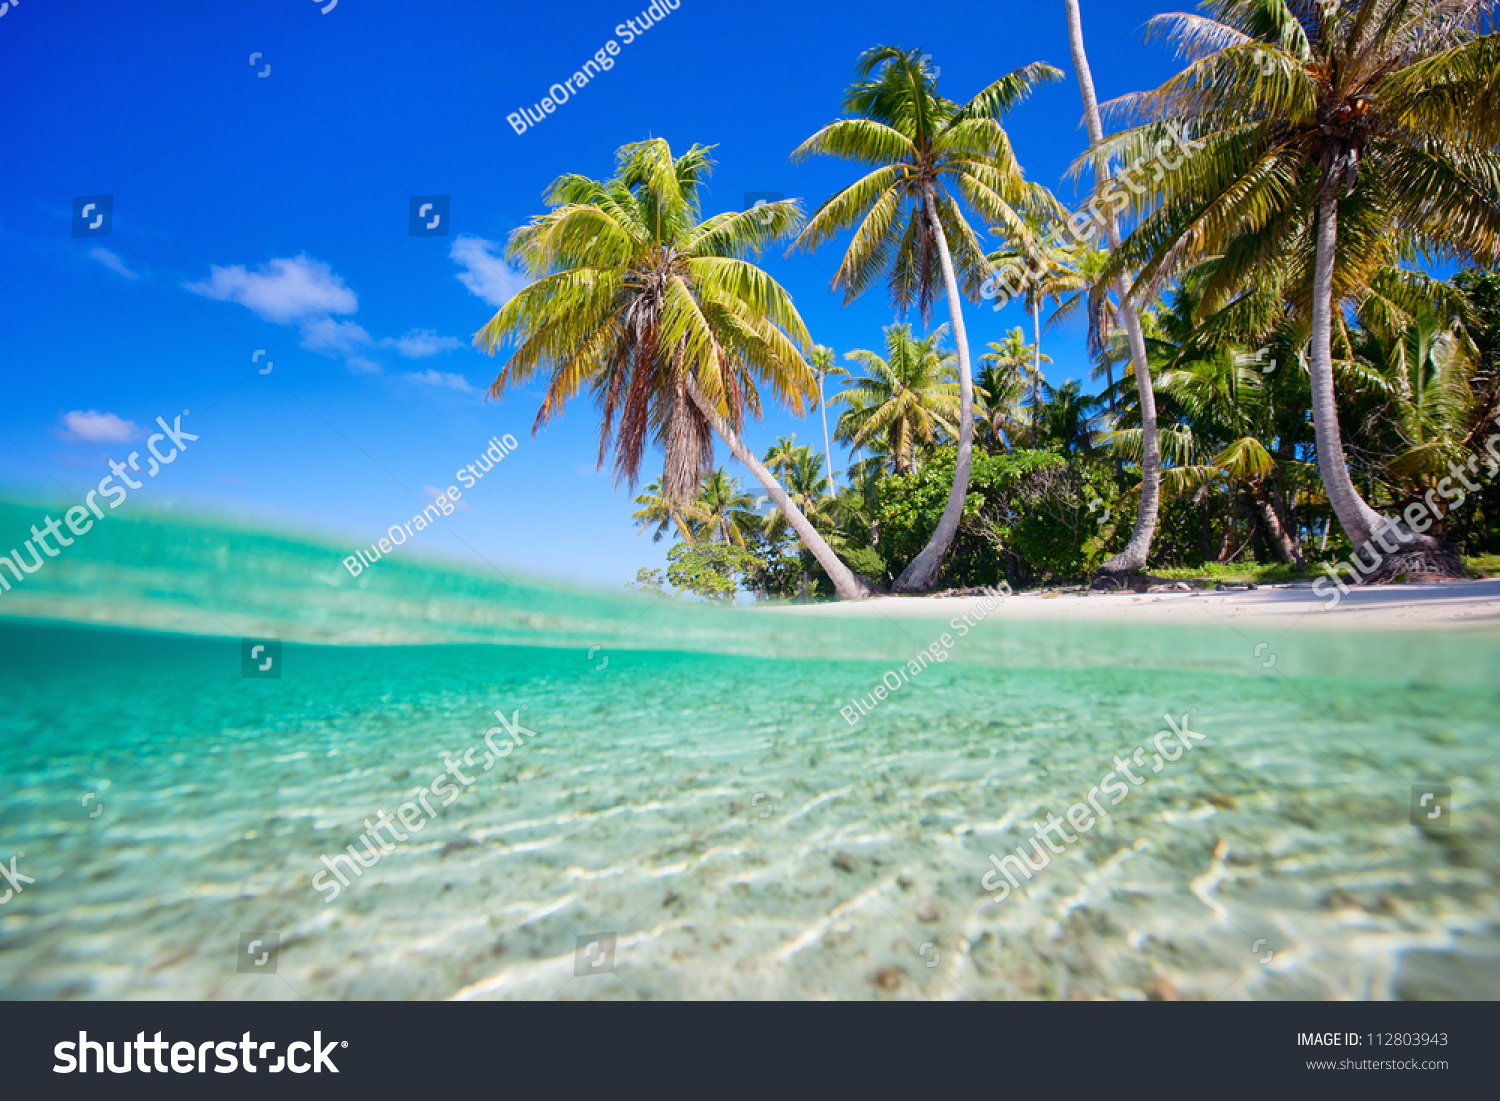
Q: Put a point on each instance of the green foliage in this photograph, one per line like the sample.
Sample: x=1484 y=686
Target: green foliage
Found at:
x=713 y=571
x=635 y=294
x=867 y=562
x=1482 y=289
x=1027 y=517
x=1234 y=573
x=783 y=564
x=1484 y=565
x=647 y=581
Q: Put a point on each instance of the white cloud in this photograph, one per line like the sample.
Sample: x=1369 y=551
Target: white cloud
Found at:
x=486 y=273
x=308 y=293
x=96 y=427
x=286 y=290
x=421 y=343
x=113 y=263
x=430 y=377
x=334 y=337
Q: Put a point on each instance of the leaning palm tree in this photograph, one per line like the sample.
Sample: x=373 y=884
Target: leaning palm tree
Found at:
x=925 y=152
x=905 y=399
x=1138 y=549
x=1331 y=139
x=660 y=314
x=824 y=368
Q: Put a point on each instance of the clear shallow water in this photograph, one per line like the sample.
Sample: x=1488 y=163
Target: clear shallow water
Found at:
x=701 y=797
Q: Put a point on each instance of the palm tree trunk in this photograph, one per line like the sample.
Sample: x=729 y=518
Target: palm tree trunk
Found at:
x=1136 y=552
x=1393 y=548
x=1274 y=526
x=1036 y=374
x=1357 y=519
x=922 y=574
x=847 y=584
x=827 y=450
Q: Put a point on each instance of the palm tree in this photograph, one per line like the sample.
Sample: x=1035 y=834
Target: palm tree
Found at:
x=1414 y=361
x=1014 y=356
x=1331 y=139
x=1048 y=275
x=656 y=509
x=1069 y=417
x=1229 y=433
x=1080 y=283
x=998 y=393
x=857 y=507
x=780 y=454
x=910 y=225
x=1138 y=550
x=806 y=485
x=905 y=399
x=663 y=318
x=824 y=368
x=727 y=510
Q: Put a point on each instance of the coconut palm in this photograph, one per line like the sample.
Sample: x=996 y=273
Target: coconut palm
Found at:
x=727 y=511
x=1414 y=361
x=806 y=485
x=667 y=516
x=660 y=314
x=824 y=368
x=1047 y=264
x=1228 y=433
x=1082 y=285
x=1014 y=356
x=1330 y=140
x=925 y=151
x=781 y=454
x=998 y=393
x=1138 y=550
x=1069 y=418
x=906 y=399
x=857 y=507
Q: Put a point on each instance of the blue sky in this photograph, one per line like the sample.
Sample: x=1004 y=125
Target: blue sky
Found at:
x=272 y=212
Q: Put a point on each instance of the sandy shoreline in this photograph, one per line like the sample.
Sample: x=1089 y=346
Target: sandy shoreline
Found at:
x=1445 y=604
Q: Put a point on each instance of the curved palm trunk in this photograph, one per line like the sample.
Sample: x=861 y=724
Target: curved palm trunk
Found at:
x=1390 y=549
x=921 y=575
x=1357 y=519
x=847 y=584
x=1134 y=556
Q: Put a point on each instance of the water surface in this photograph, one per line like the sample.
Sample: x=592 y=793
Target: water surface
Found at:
x=693 y=790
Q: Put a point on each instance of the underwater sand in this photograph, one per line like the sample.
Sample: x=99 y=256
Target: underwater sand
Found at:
x=700 y=796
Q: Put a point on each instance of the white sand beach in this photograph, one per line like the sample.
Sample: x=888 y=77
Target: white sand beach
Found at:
x=1453 y=603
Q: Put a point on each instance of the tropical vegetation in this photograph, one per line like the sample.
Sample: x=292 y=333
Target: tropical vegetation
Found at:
x=1293 y=320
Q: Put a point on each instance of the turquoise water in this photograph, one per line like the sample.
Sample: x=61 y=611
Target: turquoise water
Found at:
x=693 y=789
